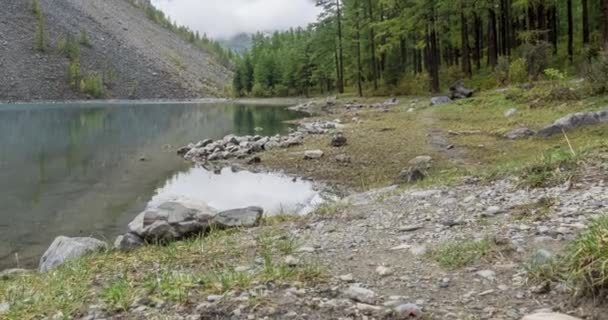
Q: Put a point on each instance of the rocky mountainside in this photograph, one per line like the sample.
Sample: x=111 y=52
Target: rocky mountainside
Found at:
x=143 y=59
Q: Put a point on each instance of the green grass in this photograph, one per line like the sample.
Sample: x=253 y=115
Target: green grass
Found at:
x=181 y=272
x=586 y=260
x=460 y=254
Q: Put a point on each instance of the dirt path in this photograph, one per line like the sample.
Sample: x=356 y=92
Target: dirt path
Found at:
x=437 y=139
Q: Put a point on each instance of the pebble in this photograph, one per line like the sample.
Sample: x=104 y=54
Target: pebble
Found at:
x=291 y=261
x=384 y=271
x=408 y=311
x=346 y=277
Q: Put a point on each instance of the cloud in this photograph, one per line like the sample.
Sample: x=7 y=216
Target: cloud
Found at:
x=225 y=18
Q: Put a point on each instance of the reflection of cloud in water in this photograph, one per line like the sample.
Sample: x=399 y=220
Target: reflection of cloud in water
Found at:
x=274 y=192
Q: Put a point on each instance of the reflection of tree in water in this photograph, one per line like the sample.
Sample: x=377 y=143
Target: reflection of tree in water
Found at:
x=271 y=119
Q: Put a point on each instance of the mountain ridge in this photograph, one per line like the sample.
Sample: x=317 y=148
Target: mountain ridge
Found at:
x=146 y=61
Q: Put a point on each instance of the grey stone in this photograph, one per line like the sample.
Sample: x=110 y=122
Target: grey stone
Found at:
x=359 y=294
x=63 y=249
x=343 y=158
x=487 y=274
x=338 y=140
x=436 y=101
x=245 y=217
x=291 y=261
x=458 y=91
x=410 y=176
x=313 y=154
x=172 y=220
x=573 y=121
x=541 y=257
x=128 y=242
x=519 y=133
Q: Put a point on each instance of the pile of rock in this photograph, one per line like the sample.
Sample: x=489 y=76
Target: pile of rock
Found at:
x=245 y=147
x=167 y=222
x=174 y=220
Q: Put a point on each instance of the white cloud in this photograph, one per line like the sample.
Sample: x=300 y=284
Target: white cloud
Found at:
x=225 y=18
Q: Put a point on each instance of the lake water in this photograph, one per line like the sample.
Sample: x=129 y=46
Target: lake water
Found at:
x=75 y=169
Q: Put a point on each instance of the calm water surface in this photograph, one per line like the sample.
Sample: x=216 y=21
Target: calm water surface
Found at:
x=75 y=169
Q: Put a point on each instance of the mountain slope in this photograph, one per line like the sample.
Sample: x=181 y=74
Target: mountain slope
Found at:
x=146 y=60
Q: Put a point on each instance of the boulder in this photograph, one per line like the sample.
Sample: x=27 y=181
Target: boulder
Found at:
x=313 y=154
x=360 y=294
x=128 y=242
x=338 y=140
x=458 y=91
x=436 y=101
x=549 y=316
x=410 y=175
x=519 y=133
x=245 y=217
x=63 y=249
x=573 y=121
x=172 y=220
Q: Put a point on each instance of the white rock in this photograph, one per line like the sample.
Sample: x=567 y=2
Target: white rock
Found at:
x=291 y=261
x=384 y=271
x=4 y=307
x=346 y=277
x=306 y=250
x=313 y=154
x=418 y=250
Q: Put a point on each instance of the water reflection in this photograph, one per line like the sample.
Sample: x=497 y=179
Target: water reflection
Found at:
x=75 y=169
x=231 y=189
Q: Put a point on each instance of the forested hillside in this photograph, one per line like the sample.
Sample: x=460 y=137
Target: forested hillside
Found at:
x=416 y=46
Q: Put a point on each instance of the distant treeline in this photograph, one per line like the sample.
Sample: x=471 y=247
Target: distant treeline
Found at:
x=415 y=46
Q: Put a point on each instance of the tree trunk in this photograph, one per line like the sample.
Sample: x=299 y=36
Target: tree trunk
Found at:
x=570 y=31
x=372 y=43
x=359 y=69
x=554 y=28
x=605 y=21
x=542 y=21
x=340 y=82
x=434 y=55
x=478 y=31
x=466 y=55
x=492 y=41
x=585 y=8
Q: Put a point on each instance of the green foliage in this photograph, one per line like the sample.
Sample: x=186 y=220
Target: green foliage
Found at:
x=40 y=38
x=85 y=40
x=36 y=7
x=459 y=254
x=554 y=168
x=118 y=295
x=74 y=73
x=536 y=56
x=502 y=71
x=517 y=71
x=555 y=74
x=585 y=260
x=92 y=84
x=596 y=74
x=70 y=47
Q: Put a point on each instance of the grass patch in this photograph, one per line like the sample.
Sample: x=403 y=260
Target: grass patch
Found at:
x=460 y=254
x=534 y=211
x=332 y=208
x=181 y=273
x=586 y=260
x=176 y=60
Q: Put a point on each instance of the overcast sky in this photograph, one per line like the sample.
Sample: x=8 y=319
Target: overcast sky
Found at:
x=225 y=18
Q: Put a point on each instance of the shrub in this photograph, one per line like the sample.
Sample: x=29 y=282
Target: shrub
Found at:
x=36 y=7
x=74 y=73
x=517 y=71
x=261 y=91
x=92 y=84
x=281 y=90
x=84 y=38
x=596 y=74
x=537 y=58
x=418 y=85
x=502 y=71
x=586 y=259
x=40 y=39
x=69 y=47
